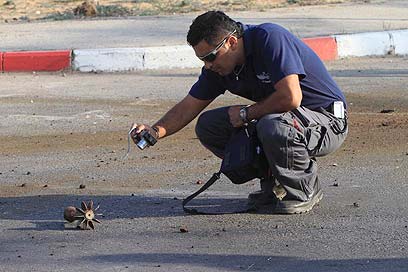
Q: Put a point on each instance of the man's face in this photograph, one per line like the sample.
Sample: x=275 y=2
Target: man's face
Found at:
x=218 y=58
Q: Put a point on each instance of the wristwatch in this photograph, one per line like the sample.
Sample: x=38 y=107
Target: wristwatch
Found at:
x=243 y=114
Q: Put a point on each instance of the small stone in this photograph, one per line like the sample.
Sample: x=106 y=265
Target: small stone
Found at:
x=335 y=184
x=199 y=182
x=334 y=164
x=82 y=186
x=28 y=173
x=23 y=185
x=183 y=229
x=45 y=186
x=387 y=111
x=355 y=204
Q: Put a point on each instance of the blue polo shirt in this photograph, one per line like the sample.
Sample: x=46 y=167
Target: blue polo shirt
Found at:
x=272 y=53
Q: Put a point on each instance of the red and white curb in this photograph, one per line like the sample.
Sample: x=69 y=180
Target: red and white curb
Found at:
x=182 y=56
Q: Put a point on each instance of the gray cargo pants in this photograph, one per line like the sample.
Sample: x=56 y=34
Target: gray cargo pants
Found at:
x=290 y=140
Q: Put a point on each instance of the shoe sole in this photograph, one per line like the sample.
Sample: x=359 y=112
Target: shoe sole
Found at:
x=302 y=209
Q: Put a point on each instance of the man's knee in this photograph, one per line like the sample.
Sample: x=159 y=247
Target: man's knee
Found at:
x=201 y=125
x=273 y=129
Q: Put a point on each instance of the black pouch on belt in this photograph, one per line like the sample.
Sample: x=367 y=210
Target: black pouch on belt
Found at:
x=244 y=159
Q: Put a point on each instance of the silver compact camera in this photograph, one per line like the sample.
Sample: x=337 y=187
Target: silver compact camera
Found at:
x=144 y=139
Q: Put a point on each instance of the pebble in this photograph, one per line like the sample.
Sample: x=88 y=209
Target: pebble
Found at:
x=387 y=111
x=183 y=229
x=82 y=186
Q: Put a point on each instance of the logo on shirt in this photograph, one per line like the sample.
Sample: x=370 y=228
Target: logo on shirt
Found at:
x=264 y=77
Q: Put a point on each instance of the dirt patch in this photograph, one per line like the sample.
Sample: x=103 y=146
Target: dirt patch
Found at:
x=22 y=10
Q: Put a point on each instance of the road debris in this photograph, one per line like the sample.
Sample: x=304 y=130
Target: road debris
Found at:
x=387 y=111
x=83 y=217
x=183 y=229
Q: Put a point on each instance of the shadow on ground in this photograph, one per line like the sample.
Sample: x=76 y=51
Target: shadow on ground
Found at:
x=46 y=212
x=253 y=263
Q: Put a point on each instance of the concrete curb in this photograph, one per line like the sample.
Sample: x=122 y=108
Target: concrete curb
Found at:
x=182 y=56
x=373 y=44
x=35 y=61
x=126 y=59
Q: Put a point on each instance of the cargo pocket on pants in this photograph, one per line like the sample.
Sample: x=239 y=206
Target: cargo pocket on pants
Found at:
x=315 y=136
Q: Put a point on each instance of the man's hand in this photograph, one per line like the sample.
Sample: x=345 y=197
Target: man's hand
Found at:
x=234 y=117
x=136 y=129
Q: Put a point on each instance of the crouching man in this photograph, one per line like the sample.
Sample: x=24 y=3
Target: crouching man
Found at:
x=299 y=109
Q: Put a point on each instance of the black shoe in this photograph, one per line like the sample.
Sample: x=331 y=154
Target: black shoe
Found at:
x=289 y=206
x=263 y=197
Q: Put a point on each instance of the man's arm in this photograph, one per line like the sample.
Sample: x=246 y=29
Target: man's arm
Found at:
x=180 y=115
x=176 y=118
x=288 y=96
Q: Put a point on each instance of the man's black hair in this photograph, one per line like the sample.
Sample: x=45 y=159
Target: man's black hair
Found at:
x=210 y=26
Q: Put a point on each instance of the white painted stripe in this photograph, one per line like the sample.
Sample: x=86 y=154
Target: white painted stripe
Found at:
x=108 y=60
x=364 y=44
x=127 y=59
x=400 y=41
x=181 y=56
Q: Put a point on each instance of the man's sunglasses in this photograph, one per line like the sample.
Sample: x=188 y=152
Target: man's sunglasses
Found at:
x=210 y=57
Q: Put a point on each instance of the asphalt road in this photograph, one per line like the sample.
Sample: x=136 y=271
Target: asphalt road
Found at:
x=61 y=130
x=305 y=21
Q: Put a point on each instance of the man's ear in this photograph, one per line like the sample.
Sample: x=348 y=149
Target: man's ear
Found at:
x=233 y=42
